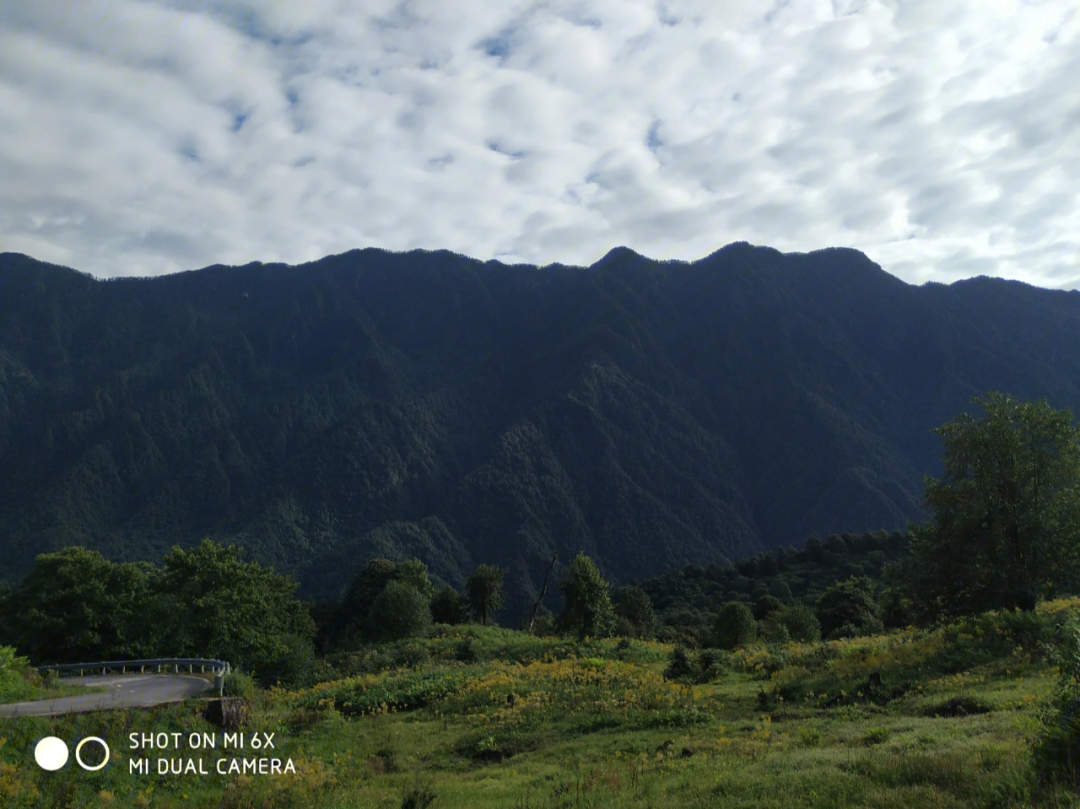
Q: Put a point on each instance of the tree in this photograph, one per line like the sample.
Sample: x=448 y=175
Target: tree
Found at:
x=447 y=607
x=766 y=605
x=484 y=591
x=238 y=611
x=77 y=606
x=1006 y=514
x=734 y=626
x=588 y=611
x=364 y=589
x=801 y=623
x=847 y=609
x=634 y=609
x=369 y=584
x=399 y=611
x=414 y=573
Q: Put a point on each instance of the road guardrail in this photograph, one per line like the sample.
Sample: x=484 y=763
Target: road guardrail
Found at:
x=156 y=665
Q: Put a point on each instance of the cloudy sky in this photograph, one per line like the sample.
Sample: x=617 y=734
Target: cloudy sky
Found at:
x=940 y=138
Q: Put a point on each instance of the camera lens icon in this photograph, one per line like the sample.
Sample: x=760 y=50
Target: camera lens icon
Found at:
x=100 y=764
x=51 y=753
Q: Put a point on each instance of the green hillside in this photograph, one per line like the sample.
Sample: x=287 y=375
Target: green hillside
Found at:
x=944 y=716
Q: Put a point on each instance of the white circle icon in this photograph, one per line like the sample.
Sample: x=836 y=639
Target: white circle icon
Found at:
x=51 y=753
x=78 y=751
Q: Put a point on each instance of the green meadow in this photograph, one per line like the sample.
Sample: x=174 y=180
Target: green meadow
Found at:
x=485 y=717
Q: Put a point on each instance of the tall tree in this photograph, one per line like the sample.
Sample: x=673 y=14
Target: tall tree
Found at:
x=1006 y=514
x=399 y=611
x=77 y=606
x=847 y=609
x=635 y=613
x=588 y=611
x=484 y=590
x=239 y=611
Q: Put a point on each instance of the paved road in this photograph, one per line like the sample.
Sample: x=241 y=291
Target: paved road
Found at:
x=119 y=691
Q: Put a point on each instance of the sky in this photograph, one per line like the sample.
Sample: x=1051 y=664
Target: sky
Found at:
x=940 y=138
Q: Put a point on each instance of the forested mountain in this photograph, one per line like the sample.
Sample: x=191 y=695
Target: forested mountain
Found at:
x=651 y=414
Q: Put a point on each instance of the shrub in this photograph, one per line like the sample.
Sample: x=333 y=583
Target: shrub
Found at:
x=847 y=609
x=635 y=612
x=772 y=628
x=801 y=623
x=399 y=611
x=712 y=663
x=766 y=605
x=734 y=626
x=1057 y=752
x=679 y=665
x=418 y=796
x=239 y=684
x=780 y=589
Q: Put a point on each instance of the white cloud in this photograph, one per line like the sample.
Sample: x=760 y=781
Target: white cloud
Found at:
x=148 y=137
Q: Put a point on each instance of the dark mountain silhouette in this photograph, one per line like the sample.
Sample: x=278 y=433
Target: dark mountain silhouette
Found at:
x=652 y=414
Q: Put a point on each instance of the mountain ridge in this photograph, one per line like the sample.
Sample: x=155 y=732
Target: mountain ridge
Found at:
x=649 y=413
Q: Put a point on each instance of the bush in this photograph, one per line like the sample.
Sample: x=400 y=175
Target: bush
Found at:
x=399 y=611
x=847 y=609
x=1057 y=752
x=410 y=656
x=448 y=607
x=239 y=684
x=679 y=666
x=766 y=605
x=801 y=623
x=418 y=796
x=734 y=626
x=772 y=628
x=466 y=652
x=712 y=663
x=635 y=613
x=780 y=589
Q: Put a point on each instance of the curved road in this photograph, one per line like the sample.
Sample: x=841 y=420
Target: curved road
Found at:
x=118 y=691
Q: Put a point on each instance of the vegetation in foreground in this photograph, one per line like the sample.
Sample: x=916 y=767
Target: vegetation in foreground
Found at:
x=476 y=716
x=19 y=682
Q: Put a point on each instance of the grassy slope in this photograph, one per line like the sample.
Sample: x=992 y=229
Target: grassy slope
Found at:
x=596 y=725
x=20 y=683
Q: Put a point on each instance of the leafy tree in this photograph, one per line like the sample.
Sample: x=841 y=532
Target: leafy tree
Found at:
x=399 y=611
x=370 y=582
x=75 y=605
x=782 y=590
x=634 y=610
x=588 y=611
x=734 y=626
x=1006 y=514
x=765 y=605
x=447 y=607
x=801 y=623
x=414 y=573
x=484 y=591
x=239 y=611
x=364 y=589
x=847 y=609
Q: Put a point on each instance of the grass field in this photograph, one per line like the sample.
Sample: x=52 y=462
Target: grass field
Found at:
x=475 y=717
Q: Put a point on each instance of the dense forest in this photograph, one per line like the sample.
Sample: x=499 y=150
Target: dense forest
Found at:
x=651 y=414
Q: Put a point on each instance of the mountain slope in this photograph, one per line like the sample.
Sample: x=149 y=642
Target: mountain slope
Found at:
x=651 y=414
